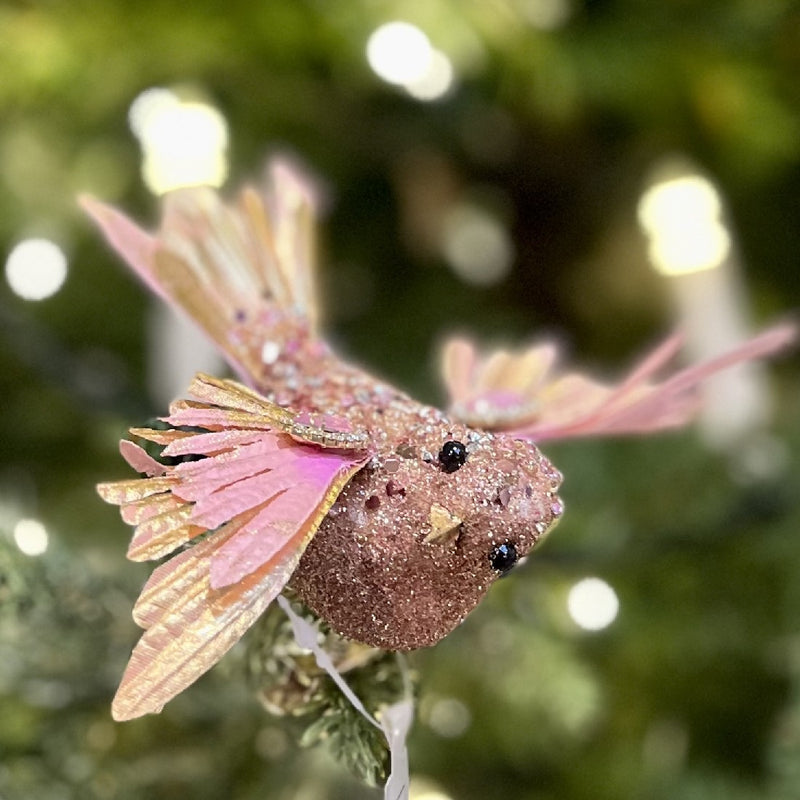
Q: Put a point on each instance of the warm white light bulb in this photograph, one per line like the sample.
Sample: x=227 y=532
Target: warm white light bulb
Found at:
x=683 y=221
x=36 y=269
x=679 y=201
x=592 y=604
x=31 y=537
x=477 y=245
x=184 y=143
x=147 y=106
x=693 y=248
x=399 y=52
x=437 y=80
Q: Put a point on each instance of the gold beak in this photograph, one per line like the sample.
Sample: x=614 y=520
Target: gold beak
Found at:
x=445 y=526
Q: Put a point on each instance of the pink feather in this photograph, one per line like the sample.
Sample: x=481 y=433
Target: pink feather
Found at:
x=306 y=484
x=572 y=405
x=140 y=460
x=209 y=443
x=131 y=242
x=194 y=632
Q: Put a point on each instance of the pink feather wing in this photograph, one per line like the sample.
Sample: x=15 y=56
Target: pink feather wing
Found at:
x=305 y=483
x=139 y=459
x=136 y=246
x=514 y=393
x=257 y=493
x=195 y=631
x=191 y=623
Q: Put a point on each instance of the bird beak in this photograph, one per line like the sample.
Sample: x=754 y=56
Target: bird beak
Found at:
x=445 y=526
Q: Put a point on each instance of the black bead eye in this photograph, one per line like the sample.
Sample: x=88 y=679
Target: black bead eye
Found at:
x=503 y=557
x=452 y=455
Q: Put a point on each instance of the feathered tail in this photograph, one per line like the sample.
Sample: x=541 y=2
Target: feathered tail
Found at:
x=238 y=270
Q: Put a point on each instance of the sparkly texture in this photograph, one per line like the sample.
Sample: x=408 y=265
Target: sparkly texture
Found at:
x=239 y=405
x=393 y=489
x=368 y=570
x=190 y=627
x=504 y=496
x=260 y=496
x=140 y=460
x=376 y=580
x=270 y=352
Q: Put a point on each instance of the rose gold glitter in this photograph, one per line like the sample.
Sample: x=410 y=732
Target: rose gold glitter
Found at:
x=371 y=575
x=393 y=488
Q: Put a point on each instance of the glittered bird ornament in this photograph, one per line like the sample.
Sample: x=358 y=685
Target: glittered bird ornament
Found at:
x=388 y=518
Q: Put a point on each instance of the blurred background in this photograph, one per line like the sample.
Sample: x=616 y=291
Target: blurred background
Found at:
x=597 y=170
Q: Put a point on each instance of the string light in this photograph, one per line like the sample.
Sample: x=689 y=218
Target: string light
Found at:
x=476 y=245
x=691 y=242
x=399 y=52
x=31 y=537
x=184 y=143
x=147 y=106
x=36 y=269
x=682 y=217
x=437 y=80
x=592 y=604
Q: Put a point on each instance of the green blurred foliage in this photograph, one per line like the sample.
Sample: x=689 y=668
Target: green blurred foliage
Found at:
x=694 y=691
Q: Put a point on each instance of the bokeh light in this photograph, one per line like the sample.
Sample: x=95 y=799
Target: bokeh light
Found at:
x=476 y=245
x=31 y=537
x=400 y=53
x=546 y=14
x=593 y=604
x=146 y=108
x=437 y=80
x=184 y=143
x=448 y=717
x=423 y=788
x=36 y=269
x=682 y=217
